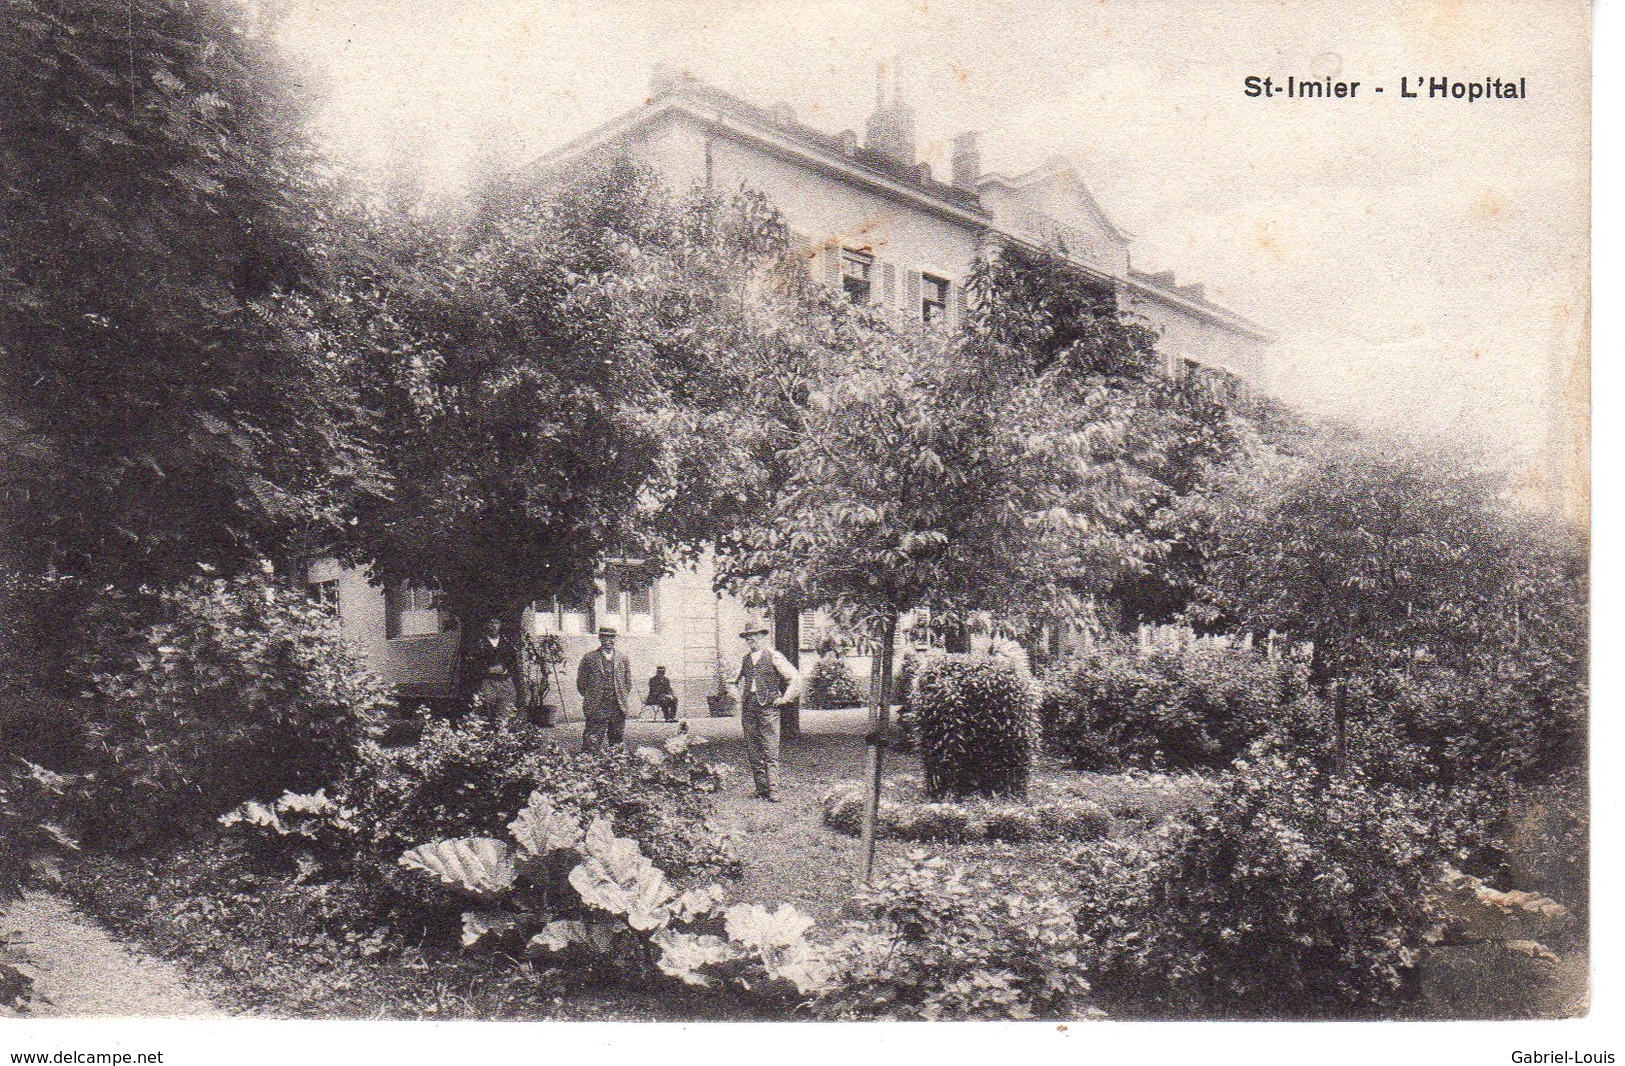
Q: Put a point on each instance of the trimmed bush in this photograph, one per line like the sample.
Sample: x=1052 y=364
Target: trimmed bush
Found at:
x=1292 y=894
x=1197 y=708
x=831 y=683
x=242 y=689
x=977 y=722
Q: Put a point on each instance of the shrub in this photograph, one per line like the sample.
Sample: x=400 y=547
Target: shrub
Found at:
x=939 y=944
x=1291 y=894
x=466 y=779
x=1498 y=725
x=831 y=683
x=1196 y=708
x=242 y=688
x=977 y=721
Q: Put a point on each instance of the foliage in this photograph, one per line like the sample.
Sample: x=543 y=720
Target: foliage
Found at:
x=978 y=728
x=565 y=891
x=463 y=779
x=160 y=208
x=1198 y=707
x=1381 y=557
x=544 y=381
x=1065 y=817
x=938 y=943
x=831 y=683
x=302 y=825
x=1292 y=893
x=241 y=688
x=1457 y=729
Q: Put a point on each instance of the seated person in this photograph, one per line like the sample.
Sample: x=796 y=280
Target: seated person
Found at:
x=661 y=695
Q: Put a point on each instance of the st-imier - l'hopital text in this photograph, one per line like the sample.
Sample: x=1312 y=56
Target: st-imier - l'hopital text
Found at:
x=1417 y=88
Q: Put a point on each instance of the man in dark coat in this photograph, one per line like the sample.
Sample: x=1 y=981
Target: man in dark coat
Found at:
x=604 y=680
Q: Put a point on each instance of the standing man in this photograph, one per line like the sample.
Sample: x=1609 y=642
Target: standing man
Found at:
x=767 y=683
x=604 y=680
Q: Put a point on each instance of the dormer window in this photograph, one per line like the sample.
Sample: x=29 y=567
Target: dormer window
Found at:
x=857 y=276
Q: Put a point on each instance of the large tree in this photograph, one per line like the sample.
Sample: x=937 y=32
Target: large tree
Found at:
x=543 y=375
x=1000 y=467
x=158 y=204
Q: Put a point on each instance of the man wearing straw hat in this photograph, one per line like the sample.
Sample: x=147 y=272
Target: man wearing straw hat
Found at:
x=767 y=682
x=604 y=680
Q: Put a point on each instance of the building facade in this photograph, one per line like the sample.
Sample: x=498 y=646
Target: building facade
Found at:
x=876 y=224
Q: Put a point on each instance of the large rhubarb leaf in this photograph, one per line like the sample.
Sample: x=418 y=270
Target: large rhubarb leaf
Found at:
x=779 y=939
x=615 y=876
x=480 y=866
x=542 y=829
x=685 y=955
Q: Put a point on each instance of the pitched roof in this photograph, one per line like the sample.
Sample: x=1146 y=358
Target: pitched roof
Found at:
x=778 y=129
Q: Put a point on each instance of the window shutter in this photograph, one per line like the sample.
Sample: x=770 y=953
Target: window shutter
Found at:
x=888 y=285
x=960 y=302
x=832 y=266
x=911 y=296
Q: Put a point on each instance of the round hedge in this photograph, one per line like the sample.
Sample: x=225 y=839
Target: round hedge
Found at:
x=976 y=719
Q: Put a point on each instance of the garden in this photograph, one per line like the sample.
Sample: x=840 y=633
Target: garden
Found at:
x=1229 y=715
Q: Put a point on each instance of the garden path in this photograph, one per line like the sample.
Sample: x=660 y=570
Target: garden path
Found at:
x=83 y=971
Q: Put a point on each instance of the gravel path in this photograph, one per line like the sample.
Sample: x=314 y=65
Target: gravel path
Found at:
x=82 y=971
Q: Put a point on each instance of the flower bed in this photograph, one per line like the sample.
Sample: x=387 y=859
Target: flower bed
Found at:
x=906 y=815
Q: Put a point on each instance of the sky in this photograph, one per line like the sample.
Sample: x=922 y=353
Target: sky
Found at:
x=1423 y=263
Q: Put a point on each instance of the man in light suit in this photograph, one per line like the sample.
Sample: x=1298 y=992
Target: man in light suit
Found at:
x=768 y=683
x=604 y=680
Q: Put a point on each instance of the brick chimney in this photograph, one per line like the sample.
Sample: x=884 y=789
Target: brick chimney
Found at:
x=967 y=162
x=891 y=127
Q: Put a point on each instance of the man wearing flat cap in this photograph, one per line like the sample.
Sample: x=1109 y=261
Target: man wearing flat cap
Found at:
x=767 y=682
x=604 y=680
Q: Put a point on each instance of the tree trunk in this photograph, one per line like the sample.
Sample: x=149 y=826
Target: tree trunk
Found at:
x=878 y=719
x=787 y=641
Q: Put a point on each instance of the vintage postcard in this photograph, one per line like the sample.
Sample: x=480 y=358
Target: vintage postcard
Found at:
x=699 y=511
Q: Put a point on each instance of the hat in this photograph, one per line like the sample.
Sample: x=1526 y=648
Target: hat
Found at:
x=755 y=625
x=608 y=631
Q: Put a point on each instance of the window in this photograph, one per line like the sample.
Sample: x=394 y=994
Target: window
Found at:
x=857 y=276
x=410 y=611
x=562 y=616
x=933 y=298
x=629 y=599
x=325 y=593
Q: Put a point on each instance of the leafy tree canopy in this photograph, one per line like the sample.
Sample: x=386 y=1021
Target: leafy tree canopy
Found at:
x=1378 y=556
x=158 y=203
x=543 y=378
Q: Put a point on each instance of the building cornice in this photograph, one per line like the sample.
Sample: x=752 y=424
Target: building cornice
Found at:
x=763 y=136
